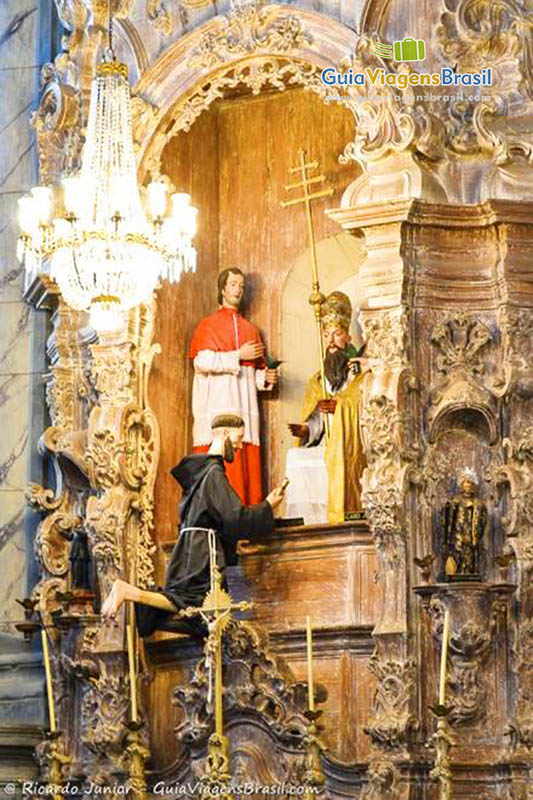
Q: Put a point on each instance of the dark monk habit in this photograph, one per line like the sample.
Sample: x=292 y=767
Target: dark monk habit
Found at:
x=208 y=502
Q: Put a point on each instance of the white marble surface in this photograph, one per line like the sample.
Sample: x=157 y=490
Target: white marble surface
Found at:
x=19 y=73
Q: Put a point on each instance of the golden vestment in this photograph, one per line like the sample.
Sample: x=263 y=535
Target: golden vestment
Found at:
x=344 y=453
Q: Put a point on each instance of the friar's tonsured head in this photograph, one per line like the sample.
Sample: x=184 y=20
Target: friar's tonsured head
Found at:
x=228 y=431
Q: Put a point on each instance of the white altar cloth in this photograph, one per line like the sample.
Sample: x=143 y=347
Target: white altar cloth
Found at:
x=307 y=492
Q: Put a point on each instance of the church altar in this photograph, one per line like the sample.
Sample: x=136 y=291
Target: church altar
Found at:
x=429 y=229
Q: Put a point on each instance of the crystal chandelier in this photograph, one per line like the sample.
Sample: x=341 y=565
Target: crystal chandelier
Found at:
x=91 y=234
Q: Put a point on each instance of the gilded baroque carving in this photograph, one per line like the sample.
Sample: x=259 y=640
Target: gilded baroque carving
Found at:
x=391 y=723
x=52 y=543
x=386 y=335
x=143 y=114
x=111 y=372
x=257 y=682
x=469 y=650
x=261 y=73
x=103 y=709
x=478 y=33
x=42 y=499
x=383 y=781
x=249 y=29
x=159 y=14
x=106 y=520
x=520 y=729
x=474 y=34
x=460 y=339
x=102 y=458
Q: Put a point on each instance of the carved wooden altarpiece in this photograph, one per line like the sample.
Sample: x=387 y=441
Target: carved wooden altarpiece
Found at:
x=443 y=206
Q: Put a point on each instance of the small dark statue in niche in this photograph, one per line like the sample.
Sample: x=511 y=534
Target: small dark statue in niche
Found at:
x=80 y=561
x=464 y=521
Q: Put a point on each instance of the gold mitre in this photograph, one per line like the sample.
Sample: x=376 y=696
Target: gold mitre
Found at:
x=337 y=310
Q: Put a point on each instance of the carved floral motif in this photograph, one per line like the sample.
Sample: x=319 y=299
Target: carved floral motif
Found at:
x=250 y=29
x=391 y=723
x=103 y=709
x=460 y=339
x=386 y=335
x=257 y=682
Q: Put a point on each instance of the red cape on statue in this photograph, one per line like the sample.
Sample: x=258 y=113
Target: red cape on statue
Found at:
x=217 y=333
x=224 y=331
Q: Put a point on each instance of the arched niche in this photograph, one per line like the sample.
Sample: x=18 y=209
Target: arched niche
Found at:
x=228 y=133
x=265 y=46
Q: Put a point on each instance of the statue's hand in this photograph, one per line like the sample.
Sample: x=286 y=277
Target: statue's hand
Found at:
x=327 y=406
x=271 y=377
x=276 y=496
x=249 y=351
x=362 y=363
x=301 y=431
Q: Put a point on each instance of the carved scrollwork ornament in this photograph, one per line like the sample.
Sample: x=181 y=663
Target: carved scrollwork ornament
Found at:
x=103 y=709
x=383 y=781
x=391 y=723
x=250 y=28
x=255 y=679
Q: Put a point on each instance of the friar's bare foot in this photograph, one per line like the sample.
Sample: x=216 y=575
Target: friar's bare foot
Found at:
x=114 y=600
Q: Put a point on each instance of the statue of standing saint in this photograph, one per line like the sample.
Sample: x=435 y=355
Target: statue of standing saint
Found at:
x=229 y=369
x=464 y=520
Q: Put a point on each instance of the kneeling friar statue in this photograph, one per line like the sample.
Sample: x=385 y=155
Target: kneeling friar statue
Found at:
x=208 y=502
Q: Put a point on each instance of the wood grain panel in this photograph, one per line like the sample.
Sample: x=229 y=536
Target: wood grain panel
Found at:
x=192 y=164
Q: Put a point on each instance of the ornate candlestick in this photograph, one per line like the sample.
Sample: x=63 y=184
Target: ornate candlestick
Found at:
x=137 y=752
x=313 y=775
x=49 y=751
x=442 y=740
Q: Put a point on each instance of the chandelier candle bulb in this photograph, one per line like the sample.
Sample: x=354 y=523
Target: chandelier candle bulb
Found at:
x=444 y=656
x=42 y=197
x=26 y=215
x=133 y=678
x=72 y=196
x=48 y=673
x=157 y=198
x=310 y=665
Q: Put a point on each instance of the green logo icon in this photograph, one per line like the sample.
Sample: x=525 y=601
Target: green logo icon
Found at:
x=410 y=50
x=405 y=50
x=383 y=50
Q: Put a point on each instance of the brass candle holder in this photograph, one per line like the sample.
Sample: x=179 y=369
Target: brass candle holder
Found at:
x=137 y=754
x=442 y=741
x=50 y=754
x=313 y=775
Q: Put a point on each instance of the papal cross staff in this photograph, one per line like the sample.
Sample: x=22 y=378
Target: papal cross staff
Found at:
x=216 y=611
x=317 y=298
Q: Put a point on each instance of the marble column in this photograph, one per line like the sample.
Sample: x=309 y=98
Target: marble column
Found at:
x=22 y=350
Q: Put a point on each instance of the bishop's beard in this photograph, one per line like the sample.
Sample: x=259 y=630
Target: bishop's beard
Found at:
x=229 y=451
x=336 y=368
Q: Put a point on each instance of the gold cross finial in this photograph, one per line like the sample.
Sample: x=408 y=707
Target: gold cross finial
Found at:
x=317 y=298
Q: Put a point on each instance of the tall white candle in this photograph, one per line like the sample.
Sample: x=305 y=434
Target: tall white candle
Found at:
x=443 y=657
x=310 y=665
x=48 y=673
x=133 y=678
